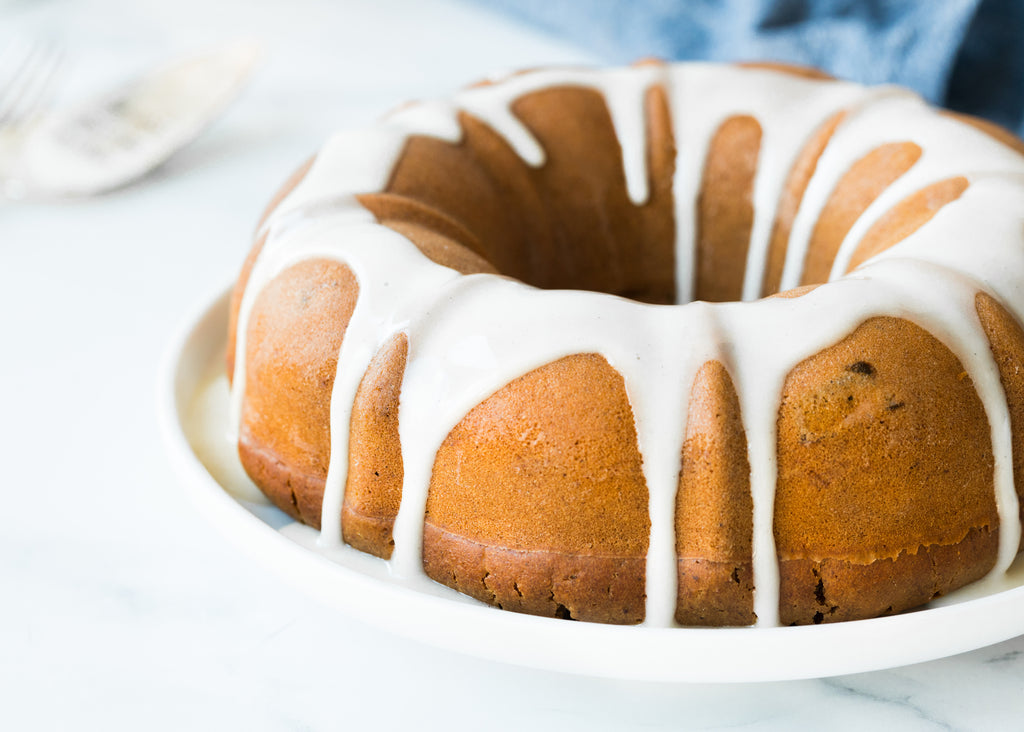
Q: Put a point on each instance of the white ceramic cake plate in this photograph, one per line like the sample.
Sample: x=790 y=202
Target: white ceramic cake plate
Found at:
x=193 y=406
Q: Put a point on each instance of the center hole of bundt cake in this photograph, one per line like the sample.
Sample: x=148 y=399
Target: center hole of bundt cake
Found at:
x=578 y=251
x=569 y=222
x=575 y=221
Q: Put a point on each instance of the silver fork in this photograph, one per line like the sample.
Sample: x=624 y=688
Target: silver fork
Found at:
x=28 y=70
x=28 y=75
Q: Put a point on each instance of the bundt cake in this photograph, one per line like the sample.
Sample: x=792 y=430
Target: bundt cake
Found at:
x=684 y=344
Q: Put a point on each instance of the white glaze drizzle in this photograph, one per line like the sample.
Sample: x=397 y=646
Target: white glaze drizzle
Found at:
x=863 y=128
x=458 y=327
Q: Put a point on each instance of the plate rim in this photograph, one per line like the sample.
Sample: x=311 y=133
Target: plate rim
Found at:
x=636 y=653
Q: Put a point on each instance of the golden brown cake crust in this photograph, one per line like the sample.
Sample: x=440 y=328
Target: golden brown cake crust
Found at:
x=790 y=199
x=373 y=492
x=1006 y=337
x=714 y=510
x=286 y=410
x=833 y=590
x=507 y=488
x=806 y=72
x=856 y=190
x=879 y=461
x=725 y=209
x=572 y=586
x=906 y=217
x=539 y=428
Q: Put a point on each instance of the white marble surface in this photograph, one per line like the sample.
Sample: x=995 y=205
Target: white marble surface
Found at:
x=120 y=606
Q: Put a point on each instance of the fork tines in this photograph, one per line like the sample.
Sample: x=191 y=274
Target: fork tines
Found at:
x=27 y=73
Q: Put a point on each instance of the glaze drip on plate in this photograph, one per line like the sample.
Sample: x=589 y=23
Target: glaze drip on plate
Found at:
x=470 y=335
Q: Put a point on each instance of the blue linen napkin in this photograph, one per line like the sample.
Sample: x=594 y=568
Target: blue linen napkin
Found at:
x=964 y=54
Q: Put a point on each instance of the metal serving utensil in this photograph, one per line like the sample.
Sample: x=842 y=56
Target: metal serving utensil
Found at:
x=111 y=140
